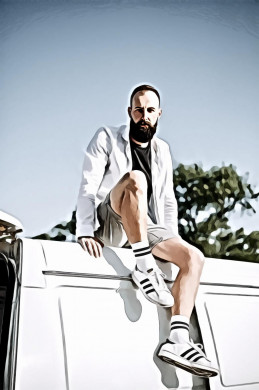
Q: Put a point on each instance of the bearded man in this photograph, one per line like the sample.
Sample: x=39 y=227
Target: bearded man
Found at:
x=127 y=199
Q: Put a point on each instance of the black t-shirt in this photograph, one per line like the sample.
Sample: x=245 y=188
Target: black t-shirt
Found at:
x=141 y=160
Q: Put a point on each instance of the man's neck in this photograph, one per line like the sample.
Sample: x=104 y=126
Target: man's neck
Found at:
x=141 y=144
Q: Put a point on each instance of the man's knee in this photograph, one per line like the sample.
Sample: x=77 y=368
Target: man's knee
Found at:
x=136 y=181
x=138 y=178
x=194 y=258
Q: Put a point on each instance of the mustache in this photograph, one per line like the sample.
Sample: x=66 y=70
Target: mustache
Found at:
x=145 y=126
x=142 y=123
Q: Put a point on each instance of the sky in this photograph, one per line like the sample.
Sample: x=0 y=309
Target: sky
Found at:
x=68 y=67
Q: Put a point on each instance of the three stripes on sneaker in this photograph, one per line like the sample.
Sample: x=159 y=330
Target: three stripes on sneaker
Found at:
x=147 y=286
x=192 y=355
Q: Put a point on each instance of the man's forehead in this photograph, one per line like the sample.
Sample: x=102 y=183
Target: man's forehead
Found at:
x=145 y=98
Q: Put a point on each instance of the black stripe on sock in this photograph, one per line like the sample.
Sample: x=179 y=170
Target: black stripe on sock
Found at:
x=144 y=281
x=179 y=327
x=179 y=322
x=143 y=254
x=141 y=249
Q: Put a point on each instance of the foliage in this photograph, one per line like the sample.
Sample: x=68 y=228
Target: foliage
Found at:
x=206 y=200
x=61 y=232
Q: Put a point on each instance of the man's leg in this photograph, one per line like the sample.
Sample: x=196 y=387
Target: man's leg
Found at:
x=129 y=200
x=190 y=261
x=178 y=349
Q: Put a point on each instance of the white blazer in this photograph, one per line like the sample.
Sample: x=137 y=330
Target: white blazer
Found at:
x=107 y=159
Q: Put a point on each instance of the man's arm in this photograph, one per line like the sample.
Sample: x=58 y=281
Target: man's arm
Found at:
x=171 y=207
x=96 y=157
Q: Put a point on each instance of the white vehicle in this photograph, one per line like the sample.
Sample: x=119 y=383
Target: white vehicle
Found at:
x=72 y=322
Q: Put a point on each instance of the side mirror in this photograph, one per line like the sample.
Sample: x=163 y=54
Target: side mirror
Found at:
x=9 y=226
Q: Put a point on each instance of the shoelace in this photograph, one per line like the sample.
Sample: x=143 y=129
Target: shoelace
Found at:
x=160 y=281
x=200 y=349
x=197 y=345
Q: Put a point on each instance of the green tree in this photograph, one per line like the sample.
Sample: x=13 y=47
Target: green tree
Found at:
x=61 y=231
x=214 y=194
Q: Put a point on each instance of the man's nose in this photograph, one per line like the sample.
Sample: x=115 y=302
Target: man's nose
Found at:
x=145 y=115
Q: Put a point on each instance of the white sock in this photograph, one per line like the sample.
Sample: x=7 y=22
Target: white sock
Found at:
x=179 y=329
x=144 y=259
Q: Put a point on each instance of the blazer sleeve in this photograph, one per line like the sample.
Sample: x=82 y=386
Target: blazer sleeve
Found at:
x=95 y=161
x=171 y=207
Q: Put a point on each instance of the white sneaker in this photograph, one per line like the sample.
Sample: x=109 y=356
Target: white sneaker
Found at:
x=153 y=286
x=187 y=356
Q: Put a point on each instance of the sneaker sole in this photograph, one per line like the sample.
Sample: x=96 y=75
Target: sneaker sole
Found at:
x=145 y=295
x=198 y=369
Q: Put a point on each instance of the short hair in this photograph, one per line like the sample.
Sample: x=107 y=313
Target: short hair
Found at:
x=144 y=87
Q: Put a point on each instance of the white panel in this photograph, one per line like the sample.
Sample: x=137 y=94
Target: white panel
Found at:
x=230 y=272
x=235 y=323
x=33 y=262
x=110 y=345
x=40 y=359
x=59 y=281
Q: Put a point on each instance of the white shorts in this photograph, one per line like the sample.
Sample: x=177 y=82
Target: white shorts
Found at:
x=112 y=233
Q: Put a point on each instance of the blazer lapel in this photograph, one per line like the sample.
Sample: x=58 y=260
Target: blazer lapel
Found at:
x=154 y=162
x=154 y=173
x=127 y=151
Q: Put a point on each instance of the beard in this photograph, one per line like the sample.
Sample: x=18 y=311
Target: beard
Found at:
x=140 y=133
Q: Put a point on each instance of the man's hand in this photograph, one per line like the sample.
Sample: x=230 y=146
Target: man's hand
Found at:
x=92 y=245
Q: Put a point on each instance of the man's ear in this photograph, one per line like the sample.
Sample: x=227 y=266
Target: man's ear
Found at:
x=160 y=112
x=129 y=111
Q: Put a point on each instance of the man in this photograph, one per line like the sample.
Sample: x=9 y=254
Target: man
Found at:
x=126 y=198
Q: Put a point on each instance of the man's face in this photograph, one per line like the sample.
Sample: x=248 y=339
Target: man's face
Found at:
x=145 y=107
x=144 y=115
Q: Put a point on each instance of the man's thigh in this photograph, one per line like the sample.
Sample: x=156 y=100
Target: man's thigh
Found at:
x=175 y=250
x=117 y=193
